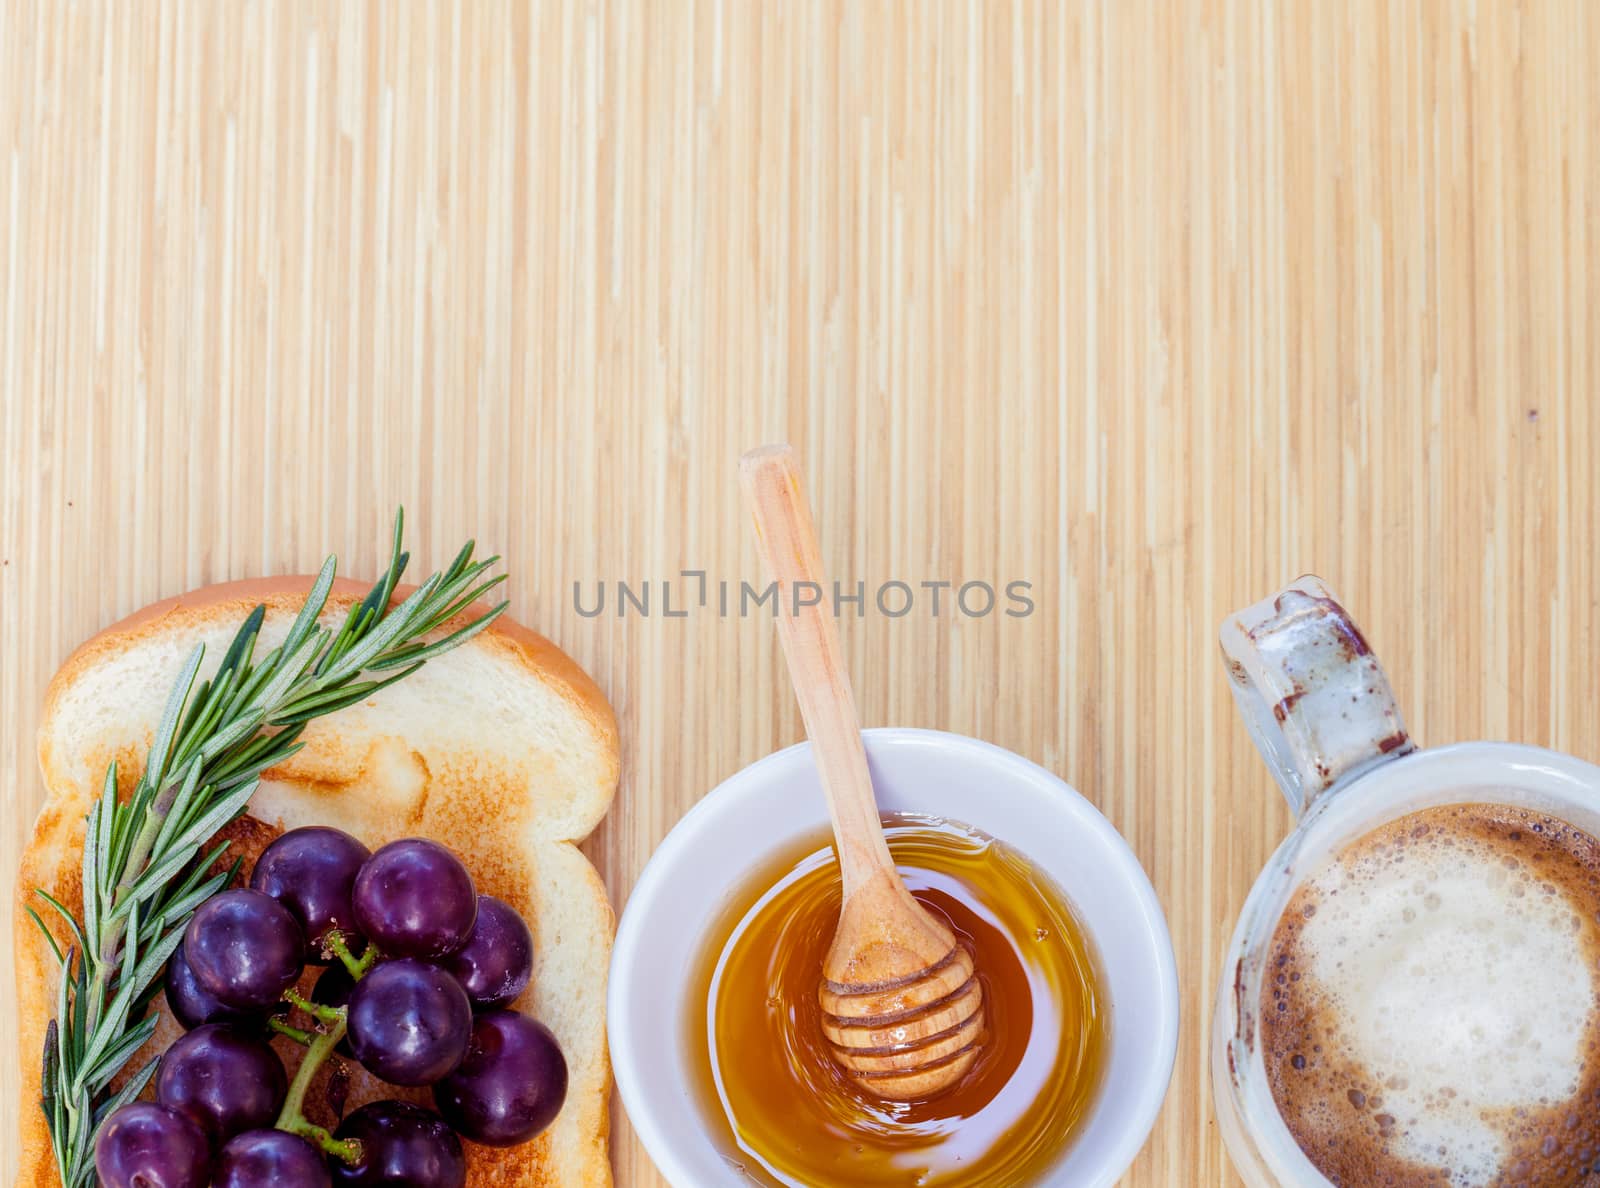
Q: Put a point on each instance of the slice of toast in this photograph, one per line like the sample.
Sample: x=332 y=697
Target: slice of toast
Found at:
x=503 y=749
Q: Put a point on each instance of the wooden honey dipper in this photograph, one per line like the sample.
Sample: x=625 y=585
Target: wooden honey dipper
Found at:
x=902 y=1005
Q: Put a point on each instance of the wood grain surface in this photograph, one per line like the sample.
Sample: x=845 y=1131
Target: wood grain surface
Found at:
x=1152 y=305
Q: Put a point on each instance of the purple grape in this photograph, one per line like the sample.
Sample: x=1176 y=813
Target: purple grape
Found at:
x=401 y=1144
x=413 y=898
x=495 y=964
x=144 y=1145
x=222 y=1079
x=267 y=1158
x=409 y=1022
x=191 y=1006
x=245 y=949
x=510 y=1086
x=312 y=872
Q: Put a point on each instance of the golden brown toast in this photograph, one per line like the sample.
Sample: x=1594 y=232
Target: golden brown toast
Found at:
x=503 y=749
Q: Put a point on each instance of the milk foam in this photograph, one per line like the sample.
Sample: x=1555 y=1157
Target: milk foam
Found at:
x=1462 y=984
x=1449 y=976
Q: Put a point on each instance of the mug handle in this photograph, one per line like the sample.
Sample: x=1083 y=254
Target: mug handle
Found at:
x=1313 y=695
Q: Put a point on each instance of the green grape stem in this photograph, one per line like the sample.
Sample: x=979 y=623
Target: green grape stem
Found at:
x=326 y=1015
x=298 y=1035
x=335 y=945
x=292 y=1117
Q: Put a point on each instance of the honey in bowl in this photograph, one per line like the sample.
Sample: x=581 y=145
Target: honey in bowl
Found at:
x=786 y=1113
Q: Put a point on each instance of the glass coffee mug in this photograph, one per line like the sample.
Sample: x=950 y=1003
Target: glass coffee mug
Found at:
x=1322 y=714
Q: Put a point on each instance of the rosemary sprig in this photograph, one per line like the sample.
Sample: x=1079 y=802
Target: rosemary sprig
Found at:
x=145 y=859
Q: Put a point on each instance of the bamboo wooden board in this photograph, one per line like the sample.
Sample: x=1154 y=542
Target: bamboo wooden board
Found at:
x=1152 y=305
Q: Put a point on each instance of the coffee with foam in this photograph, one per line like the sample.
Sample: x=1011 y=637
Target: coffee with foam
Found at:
x=1431 y=1004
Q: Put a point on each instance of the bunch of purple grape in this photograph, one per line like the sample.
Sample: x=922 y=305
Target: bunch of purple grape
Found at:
x=420 y=969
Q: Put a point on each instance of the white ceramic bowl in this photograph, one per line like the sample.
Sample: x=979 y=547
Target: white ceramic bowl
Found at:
x=777 y=800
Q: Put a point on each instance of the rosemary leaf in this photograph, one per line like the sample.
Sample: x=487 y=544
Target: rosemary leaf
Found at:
x=473 y=594
x=156 y=764
x=50 y=937
x=418 y=653
x=183 y=897
x=63 y=1007
x=331 y=700
x=315 y=601
x=47 y=1073
x=61 y=910
x=129 y=1092
x=106 y=826
x=183 y=807
x=112 y=1061
x=91 y=873
x=169 y=862
x=152 y=963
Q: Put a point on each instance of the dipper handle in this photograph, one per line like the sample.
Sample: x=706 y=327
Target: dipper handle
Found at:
x=788 y=544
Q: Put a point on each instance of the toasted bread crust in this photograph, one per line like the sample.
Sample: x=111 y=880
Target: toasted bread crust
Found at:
x=232 y=601
x=476 y=812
